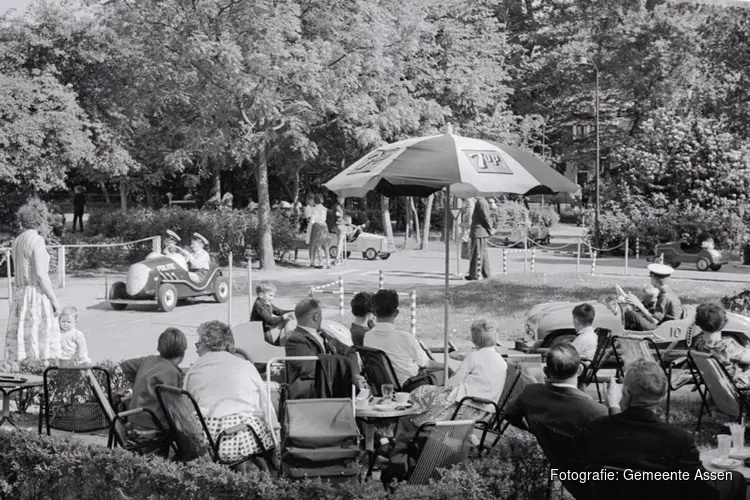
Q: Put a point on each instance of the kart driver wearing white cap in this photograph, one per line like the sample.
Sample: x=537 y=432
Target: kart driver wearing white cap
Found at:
x=668 y=307
x=170 y=242
x=199 y=261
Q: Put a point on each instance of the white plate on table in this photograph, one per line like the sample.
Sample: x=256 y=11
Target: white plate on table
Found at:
x=386 y=406
x=725 y=463
x=740 y=453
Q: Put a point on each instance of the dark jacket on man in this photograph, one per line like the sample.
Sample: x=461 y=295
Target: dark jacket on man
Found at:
x=481 y=227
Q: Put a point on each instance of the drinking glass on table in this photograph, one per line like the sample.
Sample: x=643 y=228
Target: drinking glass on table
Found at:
x=387 y=391
x=725 y=445
x=738 y=435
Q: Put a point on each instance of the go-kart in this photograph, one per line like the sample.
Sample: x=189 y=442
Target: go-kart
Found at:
x=165 y=279
x=677 y=252
x=551 y=323
x=514 y=237
x=370 y=245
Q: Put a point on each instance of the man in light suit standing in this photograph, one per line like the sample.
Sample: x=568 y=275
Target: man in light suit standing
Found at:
x=481 y=230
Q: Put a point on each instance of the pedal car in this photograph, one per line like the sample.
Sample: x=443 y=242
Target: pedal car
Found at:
x=551 y=323
x=677 y=252
x=514 y=237
x=165 y=279
x=371 y=245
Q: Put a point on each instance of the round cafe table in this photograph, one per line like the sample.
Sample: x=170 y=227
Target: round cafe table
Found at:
x=369 y=416
x=14 y=382
x=708 y=455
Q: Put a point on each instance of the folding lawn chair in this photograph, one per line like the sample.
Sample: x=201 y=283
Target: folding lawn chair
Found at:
x=181 y=410
x=716 y=381
x=319 y=437
x=601 y=357
x=628 y=348
x=563 y=451
x=445 y=444
x=143 y=440
x=495 y=426
x=68 y=400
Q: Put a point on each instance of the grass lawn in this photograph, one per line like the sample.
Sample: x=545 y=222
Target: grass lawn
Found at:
x=505 y=299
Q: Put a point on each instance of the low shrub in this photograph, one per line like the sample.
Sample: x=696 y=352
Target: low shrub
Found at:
x=653 y=226
x=41 y=468
x=544 y=216
x=510 y=214
x=228 y=231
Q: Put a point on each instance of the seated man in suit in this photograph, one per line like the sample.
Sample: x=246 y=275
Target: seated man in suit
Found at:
x=637 y=439
x=309 y=340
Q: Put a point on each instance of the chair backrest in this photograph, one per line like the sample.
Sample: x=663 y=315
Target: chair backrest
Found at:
x=72 y=403
x=249 y=338
x=181 y=412
x=602 y=354
x=604 y=487
x=378 y=369
x=718 y=382
x=447 y=444
x=512 y=388
x=319 y=423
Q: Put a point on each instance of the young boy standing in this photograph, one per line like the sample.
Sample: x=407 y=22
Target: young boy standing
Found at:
x=72 y=342
x=271 y=316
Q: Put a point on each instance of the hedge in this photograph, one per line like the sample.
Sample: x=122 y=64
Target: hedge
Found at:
x=34 y=467
x=228 y=230
x=652 y=226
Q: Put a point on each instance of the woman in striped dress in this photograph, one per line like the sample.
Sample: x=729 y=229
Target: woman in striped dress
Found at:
x=33 y=330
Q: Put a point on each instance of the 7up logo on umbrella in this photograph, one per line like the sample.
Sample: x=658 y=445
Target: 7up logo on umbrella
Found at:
x=487 y=162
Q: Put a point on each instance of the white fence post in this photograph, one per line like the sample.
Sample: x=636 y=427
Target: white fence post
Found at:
x=249 y=286
x=381 y=281
x=578 y=257
x=156 y=244
x=627 y=254
x=229 y=308
x=533 y=258
x=413 y=295
x=341 y=296
x=61 y=266
x=593 y=263
x=637 y=247
x=525 y=251
x=505 y=261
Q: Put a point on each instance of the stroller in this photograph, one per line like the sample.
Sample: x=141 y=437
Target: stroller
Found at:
x=319 y=437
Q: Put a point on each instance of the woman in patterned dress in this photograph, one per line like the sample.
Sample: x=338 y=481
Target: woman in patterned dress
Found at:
x=230 y=391
x=33 y=330
x=480 y=375
x=711 y=318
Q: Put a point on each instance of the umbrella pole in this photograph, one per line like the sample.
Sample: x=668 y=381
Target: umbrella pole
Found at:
x=446 y=218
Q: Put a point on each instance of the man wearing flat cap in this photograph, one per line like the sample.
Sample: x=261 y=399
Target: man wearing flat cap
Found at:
x=198 y=259
x=170 y=242
x=668 y=307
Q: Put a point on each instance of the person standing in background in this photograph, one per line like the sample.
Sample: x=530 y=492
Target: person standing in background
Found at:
x=341 y=230
x=79 y=205
x=481 y=230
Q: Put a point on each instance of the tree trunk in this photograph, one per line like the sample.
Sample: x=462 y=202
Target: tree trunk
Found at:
x=415 y=216
x=149 y=194
x=123 y=194
x=387 y=227
x=295 y=192
x=216 y=179
x=427 y=216
x=107 y=199
x=264 y=214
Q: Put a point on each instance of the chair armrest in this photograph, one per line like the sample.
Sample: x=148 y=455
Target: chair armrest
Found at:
x=476 y=400
x=679 y=361
x=136 y=411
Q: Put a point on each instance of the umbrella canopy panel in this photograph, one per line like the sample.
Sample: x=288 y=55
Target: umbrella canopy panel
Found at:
x=472 y=167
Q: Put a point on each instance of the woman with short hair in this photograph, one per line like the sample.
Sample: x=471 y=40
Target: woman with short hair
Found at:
x=33 y=330
x=711 y=319
x=230 y=392
x=480 y=375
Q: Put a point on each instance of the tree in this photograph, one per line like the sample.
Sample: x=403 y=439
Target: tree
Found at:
x=43 y=132
x=683 y=161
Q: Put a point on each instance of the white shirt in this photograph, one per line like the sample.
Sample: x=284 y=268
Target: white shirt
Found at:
x=73 y=346
x=199 y=260
x=586 y=342
x=320 y=214
x=318 y=338
x=405 y=353
x=481 y=375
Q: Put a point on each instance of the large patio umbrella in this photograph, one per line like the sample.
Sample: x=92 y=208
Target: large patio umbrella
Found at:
x=462 y=166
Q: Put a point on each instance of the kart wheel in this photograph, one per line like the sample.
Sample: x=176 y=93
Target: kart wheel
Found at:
x=715 y=267
x=675 y=265
x=221 y=290
x=333 y=251
x=118 y=290
x=371 y=254
x=348 y=254
x=385 y=255
x=167 y=297
x=703 y=264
